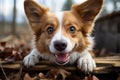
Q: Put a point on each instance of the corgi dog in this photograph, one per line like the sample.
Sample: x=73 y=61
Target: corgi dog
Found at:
x=63 y=37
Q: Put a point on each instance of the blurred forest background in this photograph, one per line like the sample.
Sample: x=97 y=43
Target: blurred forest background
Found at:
x=107 y=29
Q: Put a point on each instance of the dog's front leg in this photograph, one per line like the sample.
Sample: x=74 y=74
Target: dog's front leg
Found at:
x=86 y=63
x=32 y=58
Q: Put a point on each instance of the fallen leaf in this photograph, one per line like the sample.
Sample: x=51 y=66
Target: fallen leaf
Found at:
x=91 y=77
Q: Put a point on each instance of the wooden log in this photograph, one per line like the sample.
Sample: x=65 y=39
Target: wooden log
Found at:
x=104 y=65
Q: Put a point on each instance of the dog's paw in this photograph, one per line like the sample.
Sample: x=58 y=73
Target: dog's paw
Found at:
x=30 y=60
x=86 y=64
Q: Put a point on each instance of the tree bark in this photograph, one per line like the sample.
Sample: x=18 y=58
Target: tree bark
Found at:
x=14 y=19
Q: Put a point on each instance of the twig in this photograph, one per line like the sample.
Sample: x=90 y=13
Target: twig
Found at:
x=3 y=72
x=20 y=71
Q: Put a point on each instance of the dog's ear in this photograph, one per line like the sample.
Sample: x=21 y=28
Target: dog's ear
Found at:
x=34 y=12
x=89 y=9
x=87 y=12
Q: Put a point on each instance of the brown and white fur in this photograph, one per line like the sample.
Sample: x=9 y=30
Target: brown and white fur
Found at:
x=63 y=37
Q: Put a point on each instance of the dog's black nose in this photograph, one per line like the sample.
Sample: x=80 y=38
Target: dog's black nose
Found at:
x=60 y=45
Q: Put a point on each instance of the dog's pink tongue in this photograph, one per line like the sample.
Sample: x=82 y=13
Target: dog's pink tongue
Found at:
x=61 y=57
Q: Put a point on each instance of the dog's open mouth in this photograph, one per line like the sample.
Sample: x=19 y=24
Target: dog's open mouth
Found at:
x=62 y=58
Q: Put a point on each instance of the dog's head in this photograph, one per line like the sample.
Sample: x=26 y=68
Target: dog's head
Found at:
x=62 y=33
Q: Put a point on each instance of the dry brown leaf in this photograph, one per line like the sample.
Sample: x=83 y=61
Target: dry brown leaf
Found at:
x=27 y=77
x=91 y=77
x=57 y=74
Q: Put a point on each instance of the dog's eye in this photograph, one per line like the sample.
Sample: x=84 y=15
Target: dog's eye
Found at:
x=50 y=30
x=72 y=29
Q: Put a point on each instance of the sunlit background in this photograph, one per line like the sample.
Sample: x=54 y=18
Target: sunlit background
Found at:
x=13 y=20
x=6 y=7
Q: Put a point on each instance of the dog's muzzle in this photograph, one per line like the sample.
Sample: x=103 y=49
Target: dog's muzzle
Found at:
x=61 y=56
